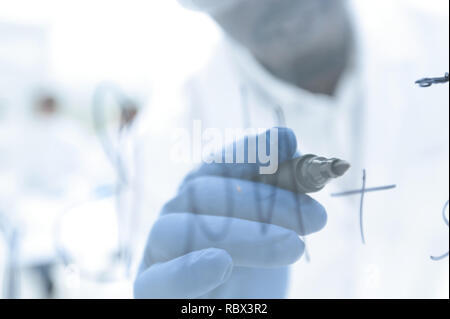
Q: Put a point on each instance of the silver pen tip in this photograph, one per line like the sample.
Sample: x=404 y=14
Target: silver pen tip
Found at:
x=340 y=167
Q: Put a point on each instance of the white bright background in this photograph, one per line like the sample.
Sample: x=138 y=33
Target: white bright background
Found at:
x=133 y=40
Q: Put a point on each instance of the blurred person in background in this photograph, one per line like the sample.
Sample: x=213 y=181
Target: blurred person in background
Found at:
x=341 y=74
x=57 y=143
x=51 y=161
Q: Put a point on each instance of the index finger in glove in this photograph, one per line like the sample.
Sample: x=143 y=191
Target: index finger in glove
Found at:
x=251 y=155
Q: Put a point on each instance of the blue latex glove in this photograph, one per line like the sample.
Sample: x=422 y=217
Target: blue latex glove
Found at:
x=232 y=250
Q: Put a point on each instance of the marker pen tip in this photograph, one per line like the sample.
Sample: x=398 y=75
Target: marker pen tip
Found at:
x=340 y=167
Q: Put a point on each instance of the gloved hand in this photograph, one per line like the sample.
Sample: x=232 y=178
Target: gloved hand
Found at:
x=216 y=240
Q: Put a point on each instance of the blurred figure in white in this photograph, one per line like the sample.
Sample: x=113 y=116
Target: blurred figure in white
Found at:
x=341 y=74
x=50 y=162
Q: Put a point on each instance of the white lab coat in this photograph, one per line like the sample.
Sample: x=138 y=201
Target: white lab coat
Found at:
x=379 y=120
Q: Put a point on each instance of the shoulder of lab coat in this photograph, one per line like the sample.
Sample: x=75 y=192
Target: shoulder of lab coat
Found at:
x=157 y=174
x=406 y=143
x=402 y=43
x=214 y=94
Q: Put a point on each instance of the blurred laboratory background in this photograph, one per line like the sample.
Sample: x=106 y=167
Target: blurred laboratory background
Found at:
x=75 y=79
